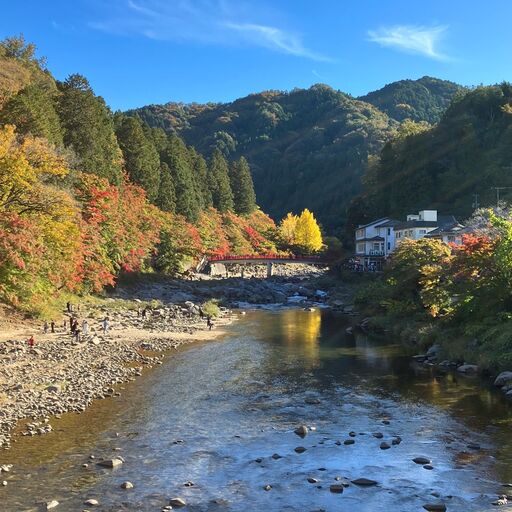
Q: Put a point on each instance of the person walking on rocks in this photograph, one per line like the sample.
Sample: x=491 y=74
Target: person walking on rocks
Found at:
x=45 y=327
x=52 y=327
x=74 y=327
x=85 y=327
x=68 y=307
x=209 y=322
x=105 y=324
x=31 y=341
x=77 y=334
x=144 y=312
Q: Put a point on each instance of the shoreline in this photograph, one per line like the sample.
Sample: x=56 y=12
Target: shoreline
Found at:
x=60 y=375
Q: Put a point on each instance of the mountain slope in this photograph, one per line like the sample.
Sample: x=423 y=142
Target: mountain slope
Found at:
x=420 y=100
x=468 y=152
x=308 y=148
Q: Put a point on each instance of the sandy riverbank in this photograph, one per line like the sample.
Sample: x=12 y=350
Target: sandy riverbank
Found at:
x=61 y=375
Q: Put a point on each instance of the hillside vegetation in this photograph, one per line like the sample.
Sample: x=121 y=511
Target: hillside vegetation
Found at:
x=468 y=152
x=307 y=148
x=86 y=194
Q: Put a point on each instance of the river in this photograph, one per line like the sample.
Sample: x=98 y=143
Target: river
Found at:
x=212 y=409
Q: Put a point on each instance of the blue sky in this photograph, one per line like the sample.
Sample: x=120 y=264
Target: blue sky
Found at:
x=136 y=52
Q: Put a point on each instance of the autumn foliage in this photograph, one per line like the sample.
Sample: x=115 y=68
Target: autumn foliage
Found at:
x=79 y=238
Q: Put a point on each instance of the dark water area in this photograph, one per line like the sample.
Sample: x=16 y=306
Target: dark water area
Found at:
x=213 y=408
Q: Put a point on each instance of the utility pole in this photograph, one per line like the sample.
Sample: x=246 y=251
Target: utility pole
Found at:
x=498 y=194
x=475 y=202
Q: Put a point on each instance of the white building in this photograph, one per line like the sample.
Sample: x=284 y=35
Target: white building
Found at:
x=375 y=241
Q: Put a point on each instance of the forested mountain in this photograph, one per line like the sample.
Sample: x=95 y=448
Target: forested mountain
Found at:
x=424 y=99
x=468 y=152
x=307 y=148
x=86 y=194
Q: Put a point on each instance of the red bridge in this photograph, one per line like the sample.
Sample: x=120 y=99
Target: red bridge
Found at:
x=262 y=259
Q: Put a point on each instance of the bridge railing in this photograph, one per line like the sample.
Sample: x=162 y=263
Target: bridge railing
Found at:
x=272 y=257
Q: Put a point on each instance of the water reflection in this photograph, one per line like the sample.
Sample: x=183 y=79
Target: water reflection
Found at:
x=237 y=400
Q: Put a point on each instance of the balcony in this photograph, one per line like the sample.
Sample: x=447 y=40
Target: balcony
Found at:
x=375 y=253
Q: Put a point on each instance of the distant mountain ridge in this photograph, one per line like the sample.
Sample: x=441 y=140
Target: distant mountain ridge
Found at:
x=307 y=147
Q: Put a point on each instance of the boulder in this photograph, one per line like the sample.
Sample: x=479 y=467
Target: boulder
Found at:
x=468 y=369
x=434 y=350
x=336 y=488
x=503 y=379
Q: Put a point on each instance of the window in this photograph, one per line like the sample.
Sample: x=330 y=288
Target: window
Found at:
x=423 y=231
x=376 y=246
x=451 y=238
x=389 y=246
x=360 y=233
x=389 y=231
x=361 y=248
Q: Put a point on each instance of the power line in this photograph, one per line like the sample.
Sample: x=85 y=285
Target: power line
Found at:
x=498 y=194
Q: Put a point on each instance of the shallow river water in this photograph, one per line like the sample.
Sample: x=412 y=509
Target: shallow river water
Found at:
x=212 y=409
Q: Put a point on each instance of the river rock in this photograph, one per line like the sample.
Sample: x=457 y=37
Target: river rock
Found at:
x=435 y=507
x=267 y=487
x=422 y=460
x=336 y=488
x=92 y=502
x=300 y=449
x=126 y=485
x=501 y=501
x=50 y=505
x=301 y=431
x=433 y=351
x=349 y=441
x=385 y=446
x=503 y=379
x=364 y=482
x=110 y=463
x=468 y=369
x=177 y=502
x=378 y=435
x=312 y=480
x=474 y=446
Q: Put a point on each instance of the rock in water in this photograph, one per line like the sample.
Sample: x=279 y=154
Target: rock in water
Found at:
x=177 y=502
x=422 y=460
x=435 y=507
x=385 y=446
x=92 y=502
x=51 y=504
x=301 y=431
x=336 y=488
x=365 y=482
x=503 y=379
x=300 y=449
x=126 y=485
x=267 y=487
x=110 y=463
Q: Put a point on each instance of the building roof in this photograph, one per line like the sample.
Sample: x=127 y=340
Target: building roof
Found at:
x=456 y=229
x=383 y=219
x=443 y=222
x=389 y=224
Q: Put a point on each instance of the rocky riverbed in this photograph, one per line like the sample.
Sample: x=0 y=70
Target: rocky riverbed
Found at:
x=63 y=374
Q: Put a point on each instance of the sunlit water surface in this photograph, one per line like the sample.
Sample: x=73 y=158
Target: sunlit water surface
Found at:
x=211 y=409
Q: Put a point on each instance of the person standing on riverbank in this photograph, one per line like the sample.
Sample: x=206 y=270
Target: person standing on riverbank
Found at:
x=52 y=327
x=209 y=323
x=85 y=327
x=105 y=325
x=31 y=341
x=45 y=327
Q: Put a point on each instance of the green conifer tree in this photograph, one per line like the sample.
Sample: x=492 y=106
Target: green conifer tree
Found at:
x=177 y=158
x=242 y=186
x=141 y=158
x=166 y=199
x=33 y=111
x=200 y=170
x=218 y=177
x=89 y=129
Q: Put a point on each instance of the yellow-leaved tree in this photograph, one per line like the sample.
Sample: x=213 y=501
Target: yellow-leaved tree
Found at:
x=301 y=232
x=287 y=228
x=308 y=236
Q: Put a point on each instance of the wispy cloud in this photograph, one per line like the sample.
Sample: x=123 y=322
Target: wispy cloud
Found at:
x=223 y=22
x=412 y=39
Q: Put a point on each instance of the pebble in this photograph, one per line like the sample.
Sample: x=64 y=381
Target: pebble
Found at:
x=50 y=505
x=428 y=466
